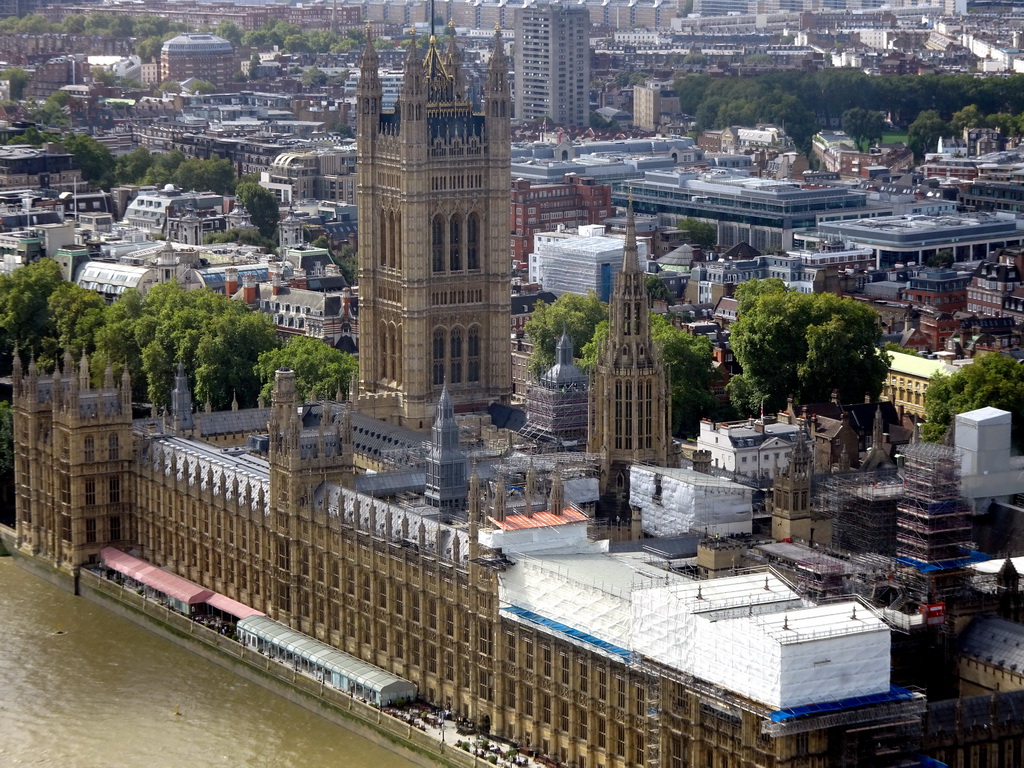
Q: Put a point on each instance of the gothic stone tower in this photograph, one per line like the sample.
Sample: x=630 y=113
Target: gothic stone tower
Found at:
x=434 y=253
x=629 y=413
x=73 y=449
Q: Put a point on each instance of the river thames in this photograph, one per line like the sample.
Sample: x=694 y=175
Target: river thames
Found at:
x=83 y=688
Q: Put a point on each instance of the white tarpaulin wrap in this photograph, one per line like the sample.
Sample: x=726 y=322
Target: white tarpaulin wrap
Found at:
x=675 y=501
x=750 y=634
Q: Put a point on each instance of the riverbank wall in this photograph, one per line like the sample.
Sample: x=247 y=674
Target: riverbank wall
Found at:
x=338 y=707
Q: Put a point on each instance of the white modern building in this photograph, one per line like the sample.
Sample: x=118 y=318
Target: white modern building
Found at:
x=564 y=262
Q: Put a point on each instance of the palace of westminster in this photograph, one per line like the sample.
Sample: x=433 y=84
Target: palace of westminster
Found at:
x=489 y=595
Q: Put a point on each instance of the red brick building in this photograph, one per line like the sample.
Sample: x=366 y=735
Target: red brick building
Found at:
x=941 y=289
x=993 y=282
x=542 y=207
x=202 y=56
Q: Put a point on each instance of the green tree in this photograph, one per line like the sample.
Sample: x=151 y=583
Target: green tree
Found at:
x=6 y=450
x=132 y=168
x=577 y=315
x=161 y=170
x=19 y=80
x=202 y=87
x=319 y=368
x=217 y=340
x=943 y=258
x=25 y=316
x=214 y=174
x=925 y=132
x=700 y=232
x=261 y=204
x=95 y=160
x=656 y=289
x=77 y=315
x=992 y=380
x=805 y=345
x=863 y=126
x=148 y=49
x=229 y=32
x=314 y=77
x=243 y=236
x=968 y=117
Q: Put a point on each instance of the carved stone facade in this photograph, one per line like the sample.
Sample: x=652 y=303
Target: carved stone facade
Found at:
x=398 y=586
x=434 y=258
x=630 y=419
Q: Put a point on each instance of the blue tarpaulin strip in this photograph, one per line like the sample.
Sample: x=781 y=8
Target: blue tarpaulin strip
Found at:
x=895 y=694
x=536 y=618
x=944 y=565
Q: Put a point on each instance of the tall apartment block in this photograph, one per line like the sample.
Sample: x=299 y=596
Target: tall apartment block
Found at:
x=552 y=60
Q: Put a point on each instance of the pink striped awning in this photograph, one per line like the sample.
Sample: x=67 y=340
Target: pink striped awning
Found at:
x=162 y=581
x=233 y=607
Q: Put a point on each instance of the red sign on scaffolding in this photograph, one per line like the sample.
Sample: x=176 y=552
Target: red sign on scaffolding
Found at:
x=934 y=613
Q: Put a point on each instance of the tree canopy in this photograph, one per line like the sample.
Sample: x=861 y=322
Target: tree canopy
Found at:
x=925 y=132
x=320 y=370
x=993 y=380
x=687 y=361
x=261 y=204
x=804 y=345
x=578 y=315
x=864 y=126
x=700 y=232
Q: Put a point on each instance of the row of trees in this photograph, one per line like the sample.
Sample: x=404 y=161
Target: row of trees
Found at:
x=804 y=101
x=585 y=319
x=227 y=350
x=788 y=343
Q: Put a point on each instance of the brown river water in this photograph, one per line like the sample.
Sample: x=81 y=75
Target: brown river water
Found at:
x=83 y=688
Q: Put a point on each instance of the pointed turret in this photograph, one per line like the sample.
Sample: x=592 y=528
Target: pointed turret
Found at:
x=108 y=376
x=474 y=496
x=16 y=373
x=369 y=93
x=181 y=403
x=453 y=64
x=530 y=490
x=498 y=503
x=126 y=388
x=630 y=414
x=630 y=253
x=84 y=380
x=556 y=501
x=446 y=463
x=496 y=92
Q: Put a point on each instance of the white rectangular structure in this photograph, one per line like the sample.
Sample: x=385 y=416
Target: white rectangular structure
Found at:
x=674 y=502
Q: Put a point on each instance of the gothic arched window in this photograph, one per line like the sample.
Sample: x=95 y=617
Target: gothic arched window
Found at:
x=473 y=354
x=473 y=241
x=455 y=353
x=437 y=243
x=455 y=243
x=438 y=356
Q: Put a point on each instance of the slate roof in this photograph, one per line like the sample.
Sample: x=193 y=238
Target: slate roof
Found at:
x=995 y=641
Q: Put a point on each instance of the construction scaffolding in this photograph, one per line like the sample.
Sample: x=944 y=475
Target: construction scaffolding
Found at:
x=863 y=507
x=559 y=411
x=933 y=523
x=933 y=527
